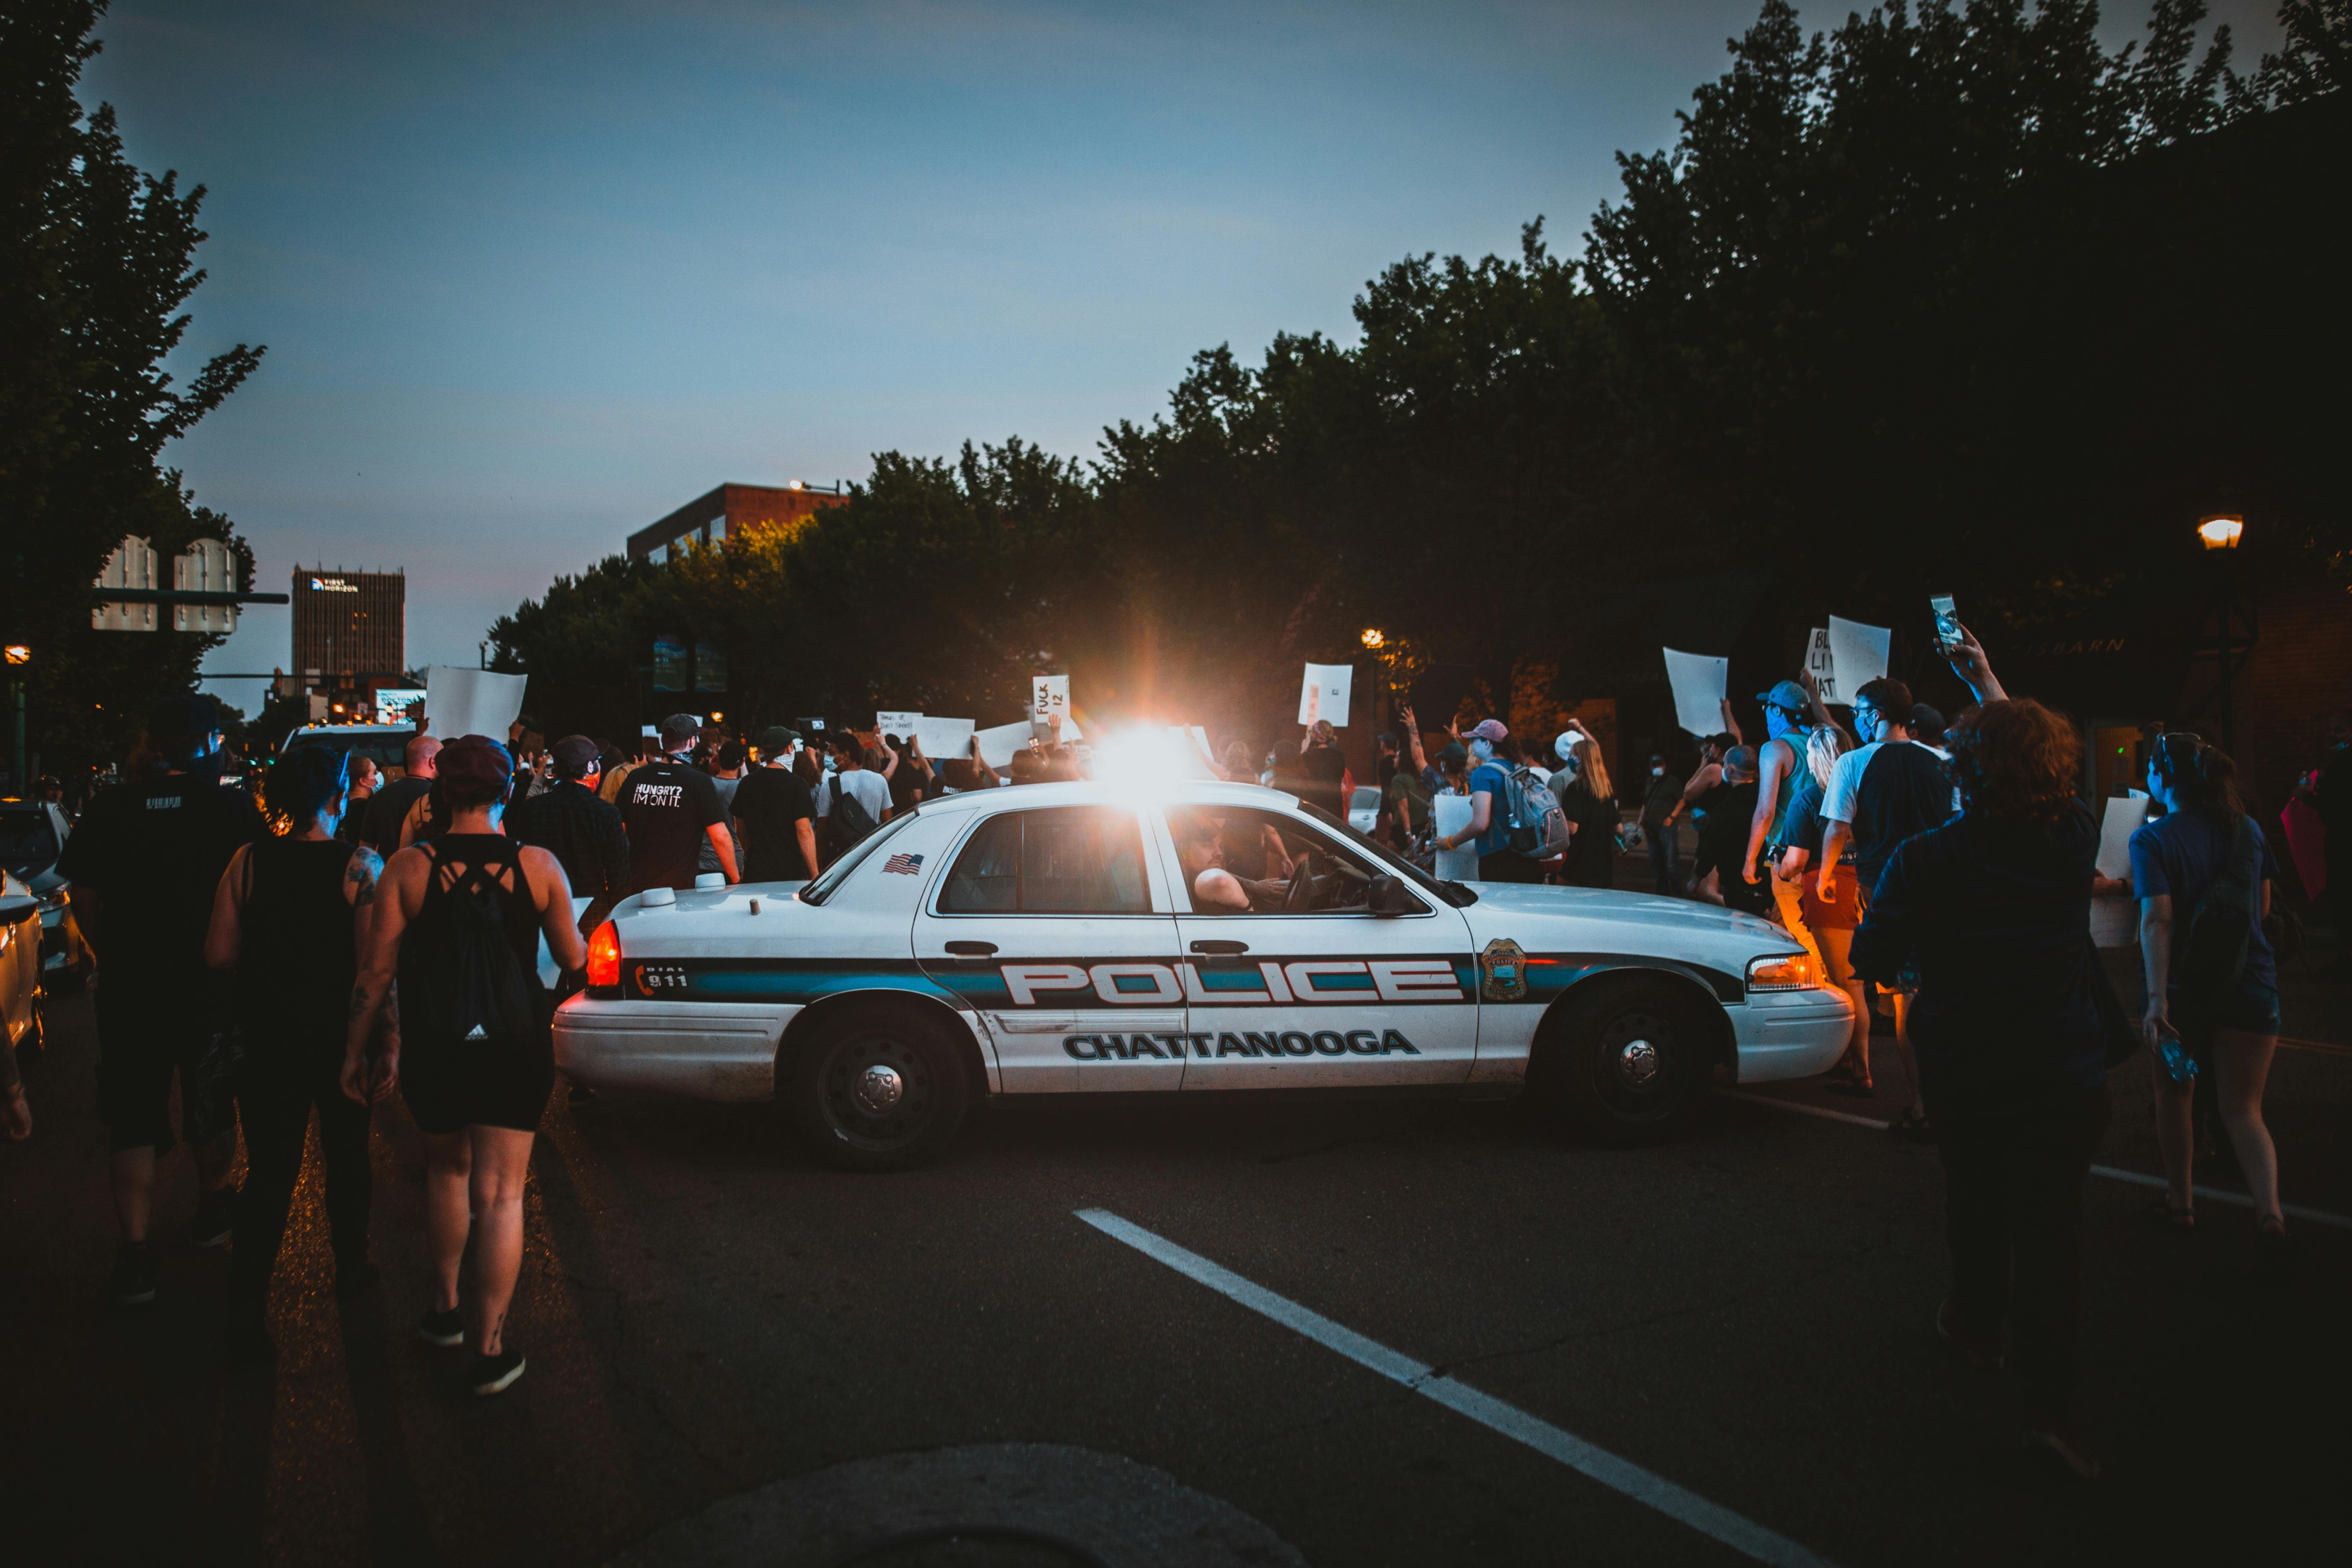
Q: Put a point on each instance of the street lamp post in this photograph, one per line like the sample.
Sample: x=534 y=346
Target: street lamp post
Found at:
x=19 y=656
x=2221 y=532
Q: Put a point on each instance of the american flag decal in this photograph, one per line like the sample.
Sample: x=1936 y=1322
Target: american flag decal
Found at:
x=909 y=864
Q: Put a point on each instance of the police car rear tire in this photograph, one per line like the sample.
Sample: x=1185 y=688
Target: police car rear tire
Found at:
x=1626 y=1064
x=878 y=1087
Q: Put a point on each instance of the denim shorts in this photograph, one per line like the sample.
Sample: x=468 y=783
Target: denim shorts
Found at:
x=2251 y=1007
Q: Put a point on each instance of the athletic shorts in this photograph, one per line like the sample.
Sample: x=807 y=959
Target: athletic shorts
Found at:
x=148 y=1028
x=449 y=1086
x=2250 y=1007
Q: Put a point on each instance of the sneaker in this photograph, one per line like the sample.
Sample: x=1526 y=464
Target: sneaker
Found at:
x=247 y=1344
x=1980 y=1353
x=216 y=1217
x=443 y=1330
x=496 y=1373
x=2063 y=1445
x=134 y=1275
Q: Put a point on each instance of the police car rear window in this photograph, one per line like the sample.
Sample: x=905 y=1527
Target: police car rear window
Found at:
x=1062 y=861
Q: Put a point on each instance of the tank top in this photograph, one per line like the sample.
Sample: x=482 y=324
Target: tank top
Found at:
x=1775 y=837
x=460 y=858
x=296 y=960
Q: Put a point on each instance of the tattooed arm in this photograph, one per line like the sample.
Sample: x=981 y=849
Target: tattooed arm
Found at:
x=396 y=896
x=224 y=937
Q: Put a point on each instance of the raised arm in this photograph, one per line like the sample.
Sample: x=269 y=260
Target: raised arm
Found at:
x=1732 y=724
x=1822 y=714
x=1968 y=662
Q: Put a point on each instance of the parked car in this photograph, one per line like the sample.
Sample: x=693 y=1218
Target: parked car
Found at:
x=1364 y=810
x=20 y=963
x=1048 y=940
x=32 y=835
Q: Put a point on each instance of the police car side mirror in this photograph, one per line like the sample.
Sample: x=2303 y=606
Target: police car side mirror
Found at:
x=1388 y=896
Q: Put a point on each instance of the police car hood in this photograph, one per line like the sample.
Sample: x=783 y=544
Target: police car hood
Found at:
x=1545 y=917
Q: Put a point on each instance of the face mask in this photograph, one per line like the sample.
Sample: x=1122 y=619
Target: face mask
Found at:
x=1481 y=748
x=1657 y=772
x=1777 y=723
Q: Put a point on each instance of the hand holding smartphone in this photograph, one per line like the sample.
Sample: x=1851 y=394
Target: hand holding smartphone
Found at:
x=1948 y=621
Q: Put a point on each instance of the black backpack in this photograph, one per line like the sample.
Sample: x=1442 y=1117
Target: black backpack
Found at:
x=849 y=820
x=2221 y=929
x=470 y=987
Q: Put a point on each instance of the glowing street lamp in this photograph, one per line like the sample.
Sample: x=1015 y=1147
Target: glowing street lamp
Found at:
x=2220 y=530
x=20 y=653
x=1374 y=636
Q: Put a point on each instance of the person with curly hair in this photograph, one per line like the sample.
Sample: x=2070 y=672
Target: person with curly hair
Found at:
x=1991 y=911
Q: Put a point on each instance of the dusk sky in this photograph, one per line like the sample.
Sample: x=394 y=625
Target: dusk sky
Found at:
x=532 y=275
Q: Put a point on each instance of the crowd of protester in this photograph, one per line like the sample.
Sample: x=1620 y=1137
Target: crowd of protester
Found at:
x=355 y=935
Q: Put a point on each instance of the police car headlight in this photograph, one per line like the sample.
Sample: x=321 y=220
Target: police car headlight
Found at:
x=1785 y=971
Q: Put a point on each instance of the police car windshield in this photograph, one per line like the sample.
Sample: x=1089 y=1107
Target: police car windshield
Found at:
x=1454 y=893
x=816 y=893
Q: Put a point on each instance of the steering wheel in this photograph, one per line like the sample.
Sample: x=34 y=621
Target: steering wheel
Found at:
x=1301 y=894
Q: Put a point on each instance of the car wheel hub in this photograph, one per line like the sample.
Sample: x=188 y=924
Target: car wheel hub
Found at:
x=878 y=1090
x=1637 y=1064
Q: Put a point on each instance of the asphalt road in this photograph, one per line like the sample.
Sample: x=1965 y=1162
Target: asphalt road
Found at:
x=1745 y=1313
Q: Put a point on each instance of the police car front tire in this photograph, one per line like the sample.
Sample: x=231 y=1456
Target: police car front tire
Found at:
x=878 y=1087
x=1626 y=1063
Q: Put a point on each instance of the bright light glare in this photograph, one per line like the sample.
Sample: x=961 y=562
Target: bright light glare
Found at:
x=2221 y=532
x=1142 y=760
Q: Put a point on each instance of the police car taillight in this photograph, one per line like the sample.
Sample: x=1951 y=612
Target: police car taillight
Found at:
x=605 y=956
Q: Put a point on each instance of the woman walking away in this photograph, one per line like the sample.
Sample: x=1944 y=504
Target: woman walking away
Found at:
x=1581 y=786
x=458 y=921
x=287 y=919
x=2203 y=875
x=2014 y=1074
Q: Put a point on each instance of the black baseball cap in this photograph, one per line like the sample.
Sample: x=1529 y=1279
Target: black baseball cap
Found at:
x=575 y=756
x=680 y=727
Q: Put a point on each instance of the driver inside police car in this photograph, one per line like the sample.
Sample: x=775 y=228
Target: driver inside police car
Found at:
x=1200 y=852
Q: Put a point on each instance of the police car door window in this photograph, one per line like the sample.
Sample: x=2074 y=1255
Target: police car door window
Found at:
x=1062 y=861
x=1326 y=996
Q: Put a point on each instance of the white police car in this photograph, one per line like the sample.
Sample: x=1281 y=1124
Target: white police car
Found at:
x=1059 y=939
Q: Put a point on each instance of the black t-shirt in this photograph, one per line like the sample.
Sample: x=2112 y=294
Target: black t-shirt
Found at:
x=387 y=808
x=906 y=785
x=1323 y=766
x=153 y=851
x=666 y=806
x=1889 y=791
x=769 y=802
x=1723 y=850
x=1591 y=858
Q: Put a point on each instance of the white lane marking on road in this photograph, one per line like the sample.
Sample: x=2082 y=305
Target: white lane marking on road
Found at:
x=2221 y=1195
x=2114 y=1173
x=1678 y=1503
x=1823 y=1111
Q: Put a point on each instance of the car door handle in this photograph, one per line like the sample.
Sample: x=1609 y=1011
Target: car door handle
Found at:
x=1221 y=949
x=971 y=949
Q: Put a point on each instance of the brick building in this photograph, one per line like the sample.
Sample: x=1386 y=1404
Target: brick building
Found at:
x=728 y=510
